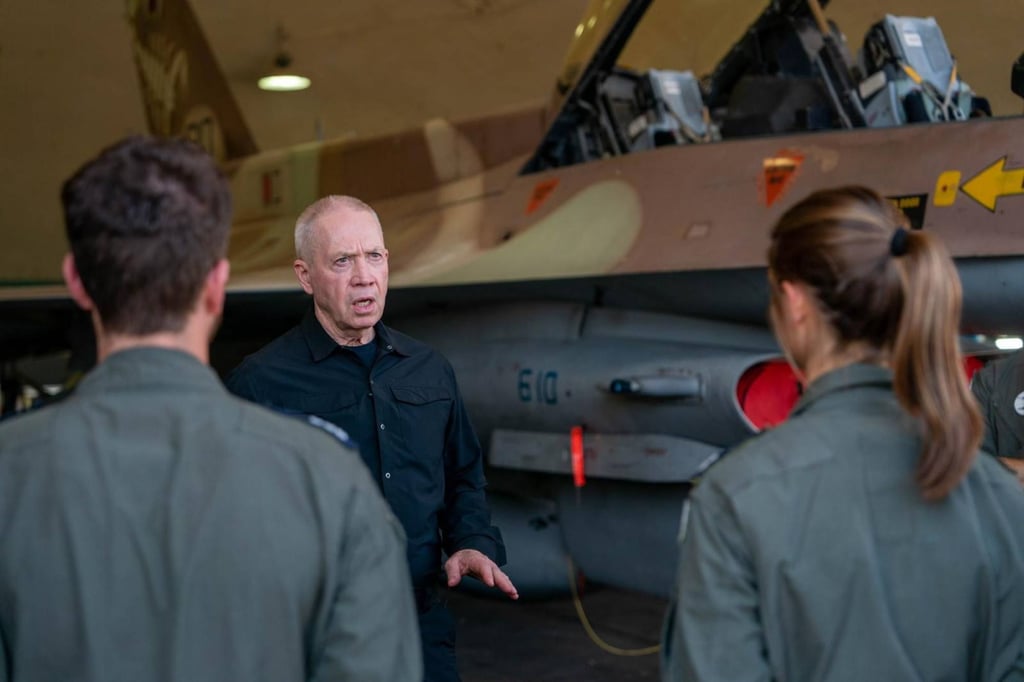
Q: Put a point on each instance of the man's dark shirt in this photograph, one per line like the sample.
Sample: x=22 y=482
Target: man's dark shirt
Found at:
x=999 y=390
x=407 y=416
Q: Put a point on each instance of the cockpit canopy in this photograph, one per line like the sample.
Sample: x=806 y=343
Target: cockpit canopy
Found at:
x=791 y=71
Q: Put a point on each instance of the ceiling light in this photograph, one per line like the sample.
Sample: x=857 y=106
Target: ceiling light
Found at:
x=282 y=77
x=1009 y=343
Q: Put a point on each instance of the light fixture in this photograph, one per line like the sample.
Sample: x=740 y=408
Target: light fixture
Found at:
x=282 y=78
x=1009 y=343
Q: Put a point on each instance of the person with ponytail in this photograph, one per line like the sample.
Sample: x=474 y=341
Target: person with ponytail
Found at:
x=864 y=538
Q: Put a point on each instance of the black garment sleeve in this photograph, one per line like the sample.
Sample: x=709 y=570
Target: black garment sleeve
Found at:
x=466 y=520
x=981 y=387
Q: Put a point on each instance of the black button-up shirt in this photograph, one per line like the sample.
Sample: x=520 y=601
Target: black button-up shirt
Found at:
x=407 y=416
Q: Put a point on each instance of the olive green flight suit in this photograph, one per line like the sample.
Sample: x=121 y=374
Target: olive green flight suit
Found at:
x=809 y=553
x=154 y=527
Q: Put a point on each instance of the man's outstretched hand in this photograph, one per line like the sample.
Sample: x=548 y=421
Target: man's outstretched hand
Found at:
x=474 y=563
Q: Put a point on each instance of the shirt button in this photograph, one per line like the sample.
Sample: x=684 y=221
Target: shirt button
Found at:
x=370 y=394
x=381 y=427
x=389 y=347
x=387 y=475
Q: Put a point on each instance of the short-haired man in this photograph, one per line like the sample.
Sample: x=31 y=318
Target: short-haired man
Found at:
x=154 y=527
x=399 y=401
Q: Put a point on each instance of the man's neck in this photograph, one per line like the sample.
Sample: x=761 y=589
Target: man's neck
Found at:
x=109 y=344
x=348 y=337
x=193 y=338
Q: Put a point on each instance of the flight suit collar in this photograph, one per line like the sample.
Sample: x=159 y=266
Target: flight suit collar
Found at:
x=321 y=345
x=856 y=375
x=150 y=366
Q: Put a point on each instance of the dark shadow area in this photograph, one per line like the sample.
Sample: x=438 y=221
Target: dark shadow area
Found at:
x=544 y=641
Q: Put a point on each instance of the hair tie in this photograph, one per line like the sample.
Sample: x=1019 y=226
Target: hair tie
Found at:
x=898 y=245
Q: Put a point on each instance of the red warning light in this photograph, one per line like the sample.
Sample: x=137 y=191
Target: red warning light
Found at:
x=579 y=477
x=972 y=365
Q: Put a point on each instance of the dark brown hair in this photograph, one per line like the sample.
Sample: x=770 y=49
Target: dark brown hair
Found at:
x=896 y=291
x=147 y=220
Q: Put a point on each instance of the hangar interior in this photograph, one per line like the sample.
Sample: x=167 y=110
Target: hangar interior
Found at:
x=377 y=66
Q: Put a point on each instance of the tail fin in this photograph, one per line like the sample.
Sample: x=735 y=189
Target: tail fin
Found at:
x=183 y=89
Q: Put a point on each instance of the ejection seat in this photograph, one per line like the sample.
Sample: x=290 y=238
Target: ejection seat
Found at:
x=784 y=75
x=911 y=77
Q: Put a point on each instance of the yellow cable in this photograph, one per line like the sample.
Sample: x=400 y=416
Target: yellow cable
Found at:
x=594 y=637
x=819 y=17
x=914 y=76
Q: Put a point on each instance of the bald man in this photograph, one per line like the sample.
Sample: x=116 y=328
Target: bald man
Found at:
x=397 y=398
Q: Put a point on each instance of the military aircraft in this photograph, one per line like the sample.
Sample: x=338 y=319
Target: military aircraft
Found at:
x=593 y=268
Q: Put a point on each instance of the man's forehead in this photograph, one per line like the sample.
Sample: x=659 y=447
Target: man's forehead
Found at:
x=346 y=224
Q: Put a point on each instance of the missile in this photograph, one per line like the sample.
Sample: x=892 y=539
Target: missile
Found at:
x=657 y=395
x=645 y=401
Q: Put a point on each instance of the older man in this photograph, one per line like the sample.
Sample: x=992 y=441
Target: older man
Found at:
x=396 y=397
x=154 y=527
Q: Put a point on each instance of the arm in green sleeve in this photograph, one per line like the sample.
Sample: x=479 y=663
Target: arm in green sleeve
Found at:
x=4 y=663
x=373 y=633
x=714 y=628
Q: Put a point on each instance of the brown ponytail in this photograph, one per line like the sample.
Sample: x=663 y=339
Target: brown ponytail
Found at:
x=928 y=377
x=897 y=292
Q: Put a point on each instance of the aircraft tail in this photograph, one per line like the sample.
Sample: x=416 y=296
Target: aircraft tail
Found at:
x=183 y=89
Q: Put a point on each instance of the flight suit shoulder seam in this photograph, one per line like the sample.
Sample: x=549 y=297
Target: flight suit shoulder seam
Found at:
x=295 y=436
x=775 y=443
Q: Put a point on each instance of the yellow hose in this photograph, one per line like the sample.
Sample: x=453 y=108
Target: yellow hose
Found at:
x=594 y=637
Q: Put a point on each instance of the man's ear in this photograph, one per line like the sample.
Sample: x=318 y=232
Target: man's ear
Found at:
x=302 y=272
x=215 y=286
x=74 y=284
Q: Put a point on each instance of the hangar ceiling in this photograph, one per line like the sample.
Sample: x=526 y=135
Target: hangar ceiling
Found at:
x=69 y=85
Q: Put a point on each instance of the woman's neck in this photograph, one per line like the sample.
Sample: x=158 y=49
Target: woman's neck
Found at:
x=822 y=363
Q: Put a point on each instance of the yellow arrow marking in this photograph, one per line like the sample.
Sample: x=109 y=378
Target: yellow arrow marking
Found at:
x=994 y=182
x=946 y=187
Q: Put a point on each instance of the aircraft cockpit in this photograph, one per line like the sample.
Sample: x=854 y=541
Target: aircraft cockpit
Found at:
x=791 y=71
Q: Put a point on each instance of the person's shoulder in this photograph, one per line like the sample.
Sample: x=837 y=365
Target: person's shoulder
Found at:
x=317 y=446
x=794 y=444
x=988 y=470
x=413 y=347
x=29 y=429
x=408 y=344
x=287 y=345
x=996 y=495
x=282 y=351
x=1013 y=361
x=297 y=434
x=1008 y=370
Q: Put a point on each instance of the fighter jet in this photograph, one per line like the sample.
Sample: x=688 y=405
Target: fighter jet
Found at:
x=594 y=267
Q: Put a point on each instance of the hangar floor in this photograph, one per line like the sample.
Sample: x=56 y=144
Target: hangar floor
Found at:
x=544 y=641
